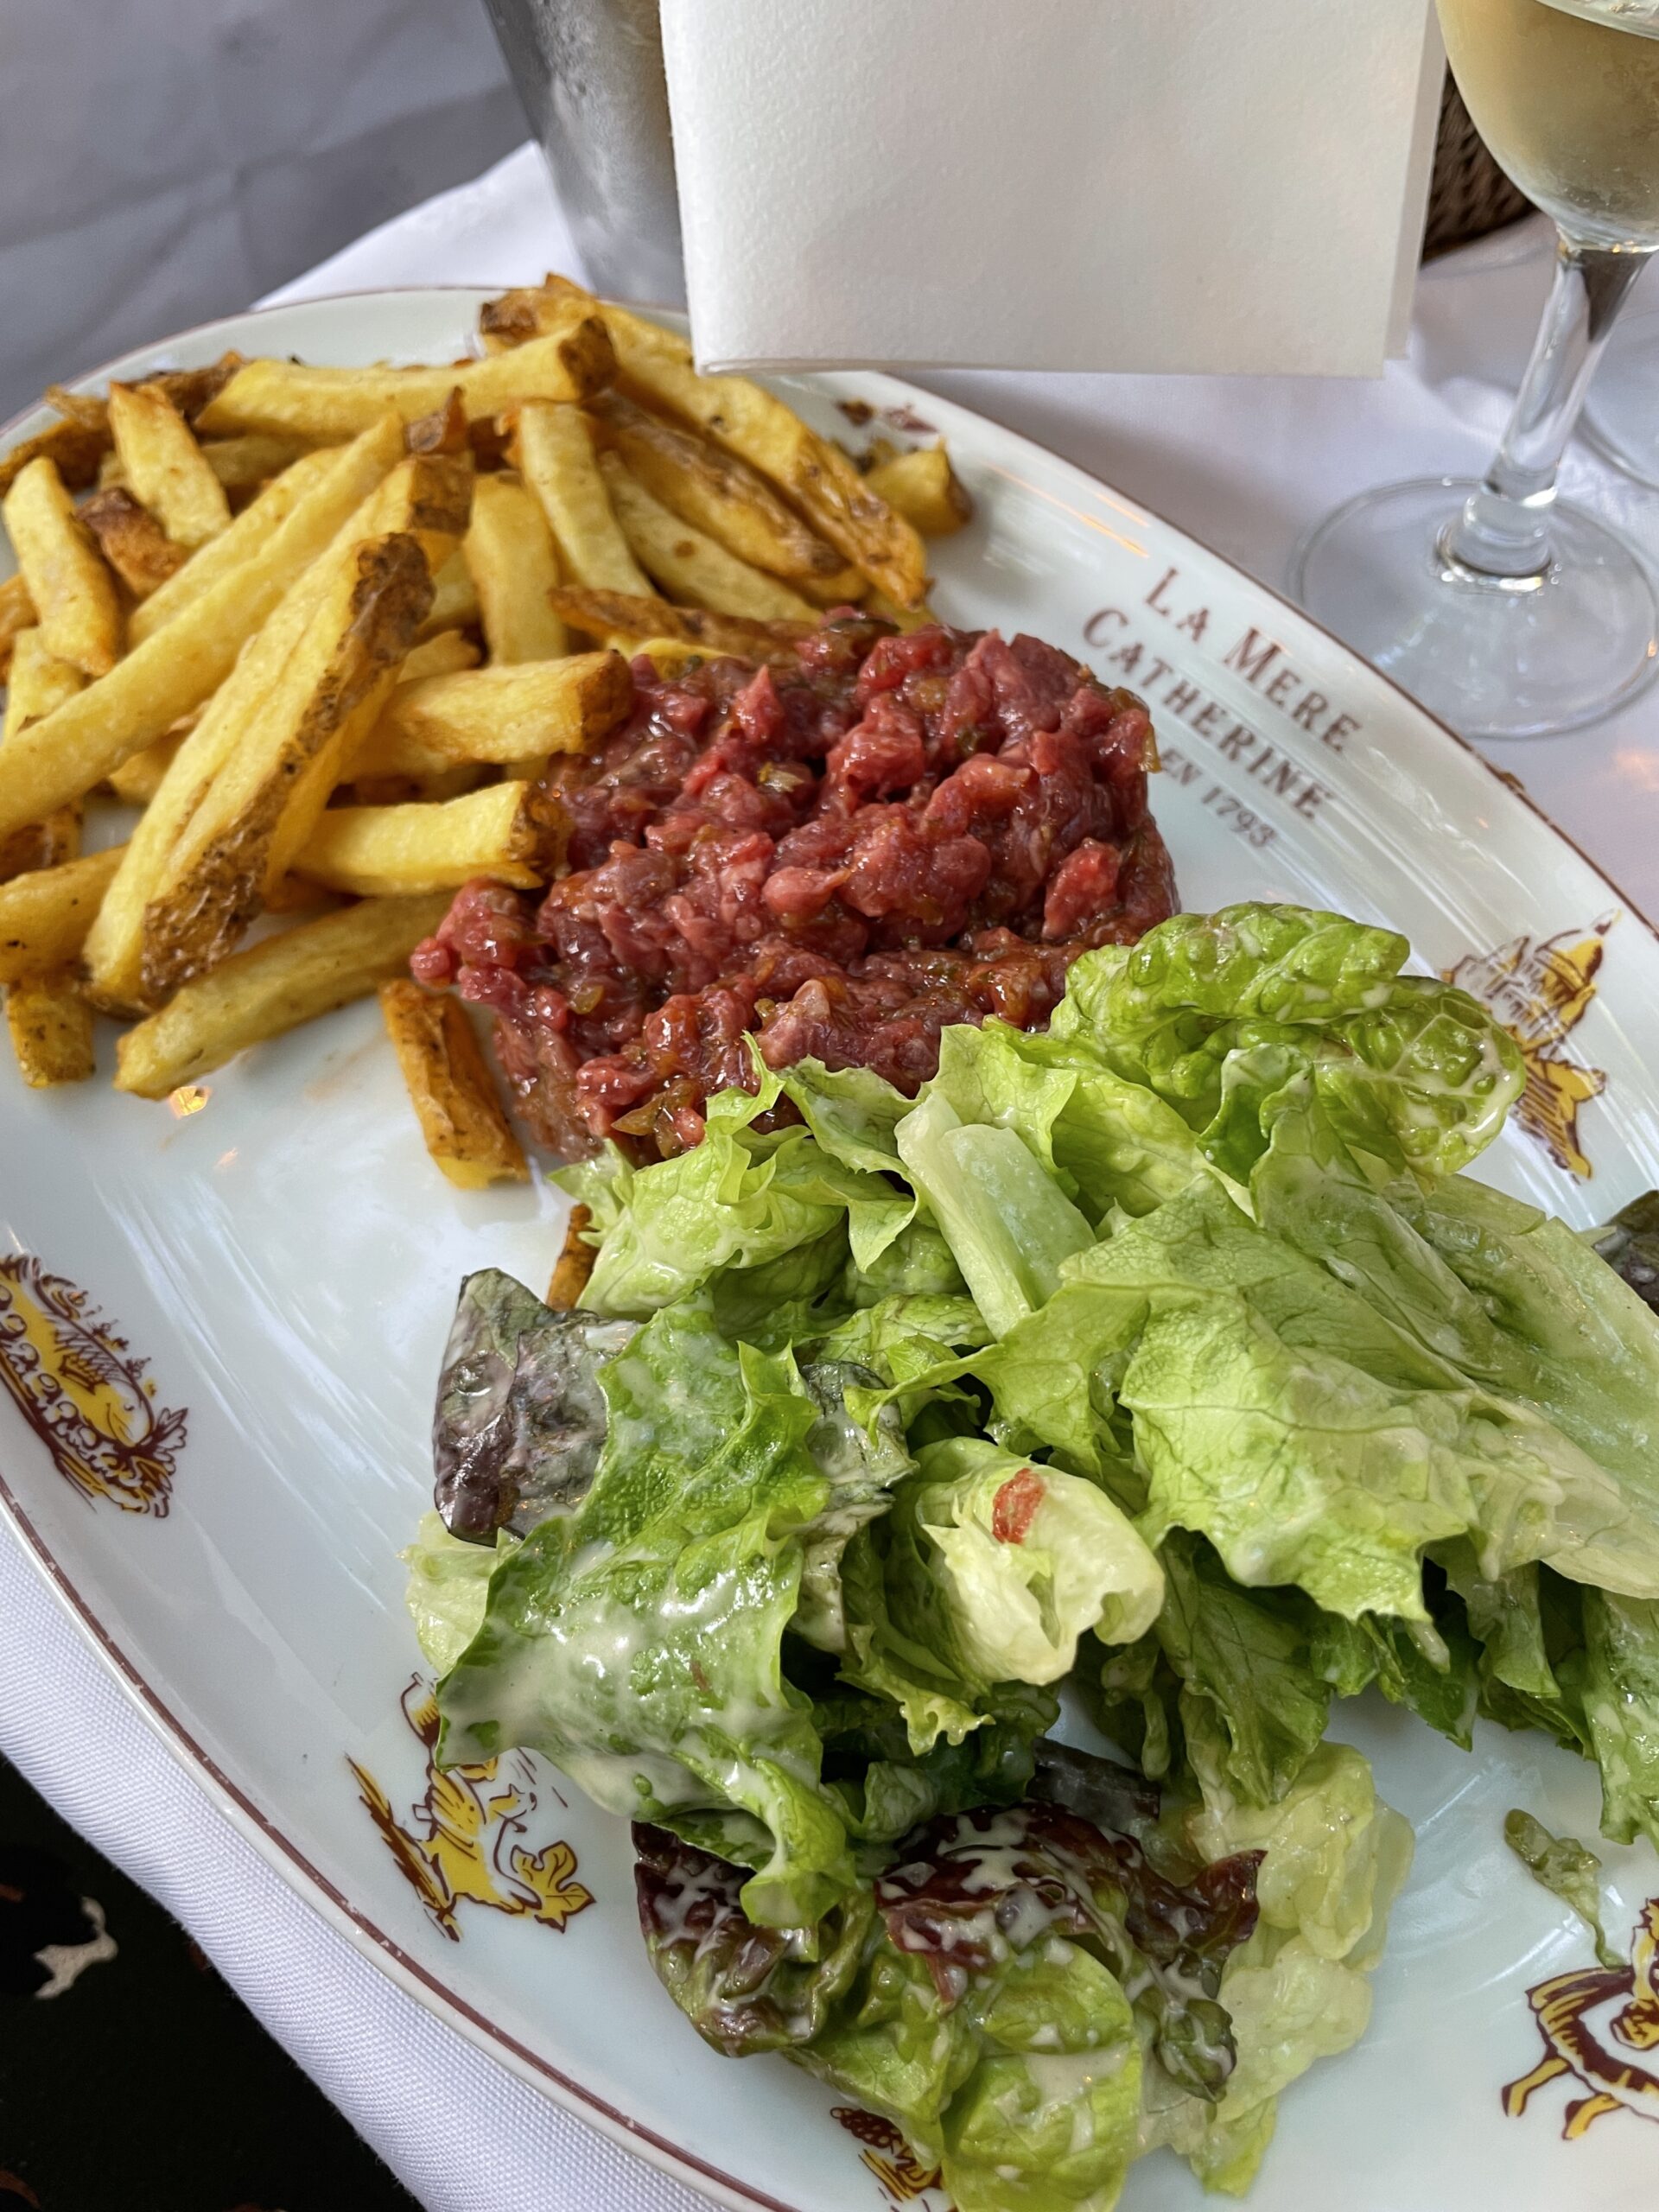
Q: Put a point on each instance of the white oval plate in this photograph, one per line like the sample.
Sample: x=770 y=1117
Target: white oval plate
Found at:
x=285 y=1259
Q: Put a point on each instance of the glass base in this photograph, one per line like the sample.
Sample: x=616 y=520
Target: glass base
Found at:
x=1492 y=658
x=1620 y=419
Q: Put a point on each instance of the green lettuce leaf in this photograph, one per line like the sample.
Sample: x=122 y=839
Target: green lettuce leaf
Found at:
x=1328 y=1447
x=1621 y=1706
x=636 y=1642
x=1243 y=1017
x=1108 y=1141
x=741 y=1200
x=1511 y=1298
x=1027 y=1560
x=1006 y=1219
x=1566 y=1869
x=984 y=2006
x=449 y=1587
x=1336 y=1856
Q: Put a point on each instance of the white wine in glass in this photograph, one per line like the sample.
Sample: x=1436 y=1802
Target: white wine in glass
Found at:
x=1505 y=610
x=1568 y=103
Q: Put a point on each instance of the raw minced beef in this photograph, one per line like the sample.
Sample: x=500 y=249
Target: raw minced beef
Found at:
x=839 y=857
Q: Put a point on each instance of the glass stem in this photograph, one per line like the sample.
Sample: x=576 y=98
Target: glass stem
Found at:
x=1503 y=533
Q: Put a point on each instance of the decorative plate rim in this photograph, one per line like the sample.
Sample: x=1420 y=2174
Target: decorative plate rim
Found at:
x=279 y=1850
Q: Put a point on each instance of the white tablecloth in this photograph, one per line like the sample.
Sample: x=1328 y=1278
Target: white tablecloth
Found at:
x=1245 y=463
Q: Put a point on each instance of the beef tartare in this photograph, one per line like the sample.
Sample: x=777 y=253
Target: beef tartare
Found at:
x=838 y=855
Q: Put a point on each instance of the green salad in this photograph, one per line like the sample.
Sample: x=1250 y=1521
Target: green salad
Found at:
x=1153 y=1382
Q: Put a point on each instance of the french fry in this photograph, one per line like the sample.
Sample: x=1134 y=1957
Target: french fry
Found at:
x=925 y=489
x=634 y=623
x=256 y=814
x=450 y=1088
x=74 y=449
x=253 y=528
x=517 y=713
x=510 y=556
x=190 y=390
x=137 y=780
x=446 y=654
x=174 y=669
x=444 y=430
x=902 y=618
x=16 y=615
x=571 y=360
x=115 y=947
x=132 y=541
x=509 y=831
x=688 y=563
x=65 y=574
x=163 y=465
x=39 y=682
x=271 y=988
x=556 y=455
x=45 y=916
x=724 y=498
x=455 y=600
x=655 y=367
x=575 y=1264
x=243 y=464
x=51 y=1027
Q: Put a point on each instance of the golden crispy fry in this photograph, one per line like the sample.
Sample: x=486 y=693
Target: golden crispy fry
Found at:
x=132 y=541
x=39 y=682
x=510 y=557
x=634 y=623
x=655 y=367
x=555 y=457
x=73 y=447
x=51 y=1027
x=925 y=489
x=65 y=575
x=45 y=916
x=115 y=948
x=137 y=780
x=509 y=831
x=568 y=361
x=244 y=832
x=190 y=390
x=174 y=669
x=689 y=564
x=902 y=618
x=520 y=713
x=575 y=1264
x=294 y=895
x=450 y=1088
x=522 y=313
x=444 y=430
x=163 y=465
x=723 y=497
x=455 y=600
x=445 y=654
x=244 y=464
x=17 y=615
x=89 y=408
x=271 y=988
x=253 y=528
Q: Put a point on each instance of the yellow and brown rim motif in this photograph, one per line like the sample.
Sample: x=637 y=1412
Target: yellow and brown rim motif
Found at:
x=1593 y=2021
x=83 y=1391
x=901 y=2175
x=462 y=1845
x=1540 y=989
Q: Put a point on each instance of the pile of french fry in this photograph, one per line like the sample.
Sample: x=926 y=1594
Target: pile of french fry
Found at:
x=326 y=628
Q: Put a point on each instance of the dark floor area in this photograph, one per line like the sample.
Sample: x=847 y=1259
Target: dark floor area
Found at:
x=132 y=2078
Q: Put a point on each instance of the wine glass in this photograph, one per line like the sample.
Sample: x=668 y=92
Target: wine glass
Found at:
x=1503 y=609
